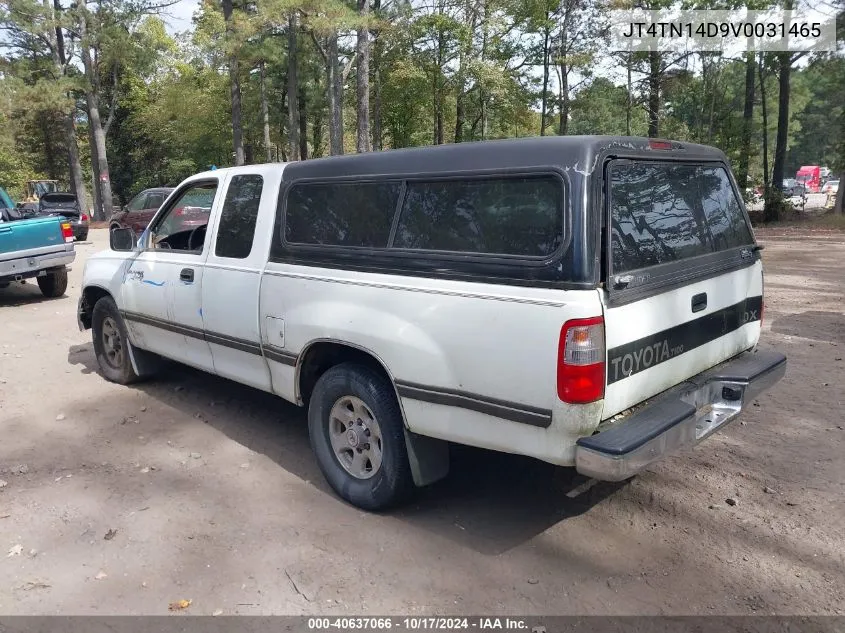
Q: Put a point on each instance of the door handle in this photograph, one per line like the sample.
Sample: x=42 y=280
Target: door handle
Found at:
x=699 y=302
x=187 y=274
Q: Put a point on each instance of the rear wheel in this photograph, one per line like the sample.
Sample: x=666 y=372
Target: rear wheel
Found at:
x=53 y=284
x=357 y=434
x=111 y=343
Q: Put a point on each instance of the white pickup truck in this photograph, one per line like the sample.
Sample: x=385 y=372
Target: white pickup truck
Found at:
x=588 y=301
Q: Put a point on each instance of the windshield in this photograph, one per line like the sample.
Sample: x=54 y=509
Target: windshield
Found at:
x=803 y=177
x=44 y=187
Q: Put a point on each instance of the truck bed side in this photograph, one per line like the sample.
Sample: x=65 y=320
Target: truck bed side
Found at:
x=28 y=247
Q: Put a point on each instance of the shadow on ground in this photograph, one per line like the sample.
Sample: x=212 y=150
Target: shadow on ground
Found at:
x=820 y=326
x=18 y=294
x=490 y=502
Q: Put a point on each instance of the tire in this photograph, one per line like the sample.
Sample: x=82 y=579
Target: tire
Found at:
x=53 y=284
x=114 y=226
x=370 y=402
x=111 y=343
x=83 y=236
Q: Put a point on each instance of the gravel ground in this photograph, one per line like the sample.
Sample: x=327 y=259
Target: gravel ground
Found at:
x=118 y=500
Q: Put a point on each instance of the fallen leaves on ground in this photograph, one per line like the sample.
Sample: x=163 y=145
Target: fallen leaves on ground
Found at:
x=100 y=575
x=34 y=584
x=110 y=535
x=178 y=605
x=15 y=550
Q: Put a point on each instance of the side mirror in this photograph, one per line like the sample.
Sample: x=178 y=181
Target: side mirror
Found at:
x=122 y=239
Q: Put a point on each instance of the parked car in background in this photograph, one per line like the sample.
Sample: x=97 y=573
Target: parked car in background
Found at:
x=137 y=214
x=792 y=188
x=65 y=204
x=831 y=187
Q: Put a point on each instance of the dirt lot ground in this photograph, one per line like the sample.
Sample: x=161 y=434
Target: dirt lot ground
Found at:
x=119 y=500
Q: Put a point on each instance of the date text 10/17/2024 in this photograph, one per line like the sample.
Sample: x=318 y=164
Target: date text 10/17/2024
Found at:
x=421 y=623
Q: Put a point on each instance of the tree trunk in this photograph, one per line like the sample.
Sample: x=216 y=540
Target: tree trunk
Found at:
x=283 y=148
x=99 y=161
x=77 y=184
x=377 y=123
x=784 y=71
x=563 y=106
x=771 y=211
x=837 y=205
x=629 y=101
x=293 y=90
x=265 y=111
x=563 y=90
x=765 y=116
x=747 y=122
x=712 y=106
x=461 y=78
x=545 y=96
x=438 y=97
x=485 y=32
x=235 y=90
x=57 y=49
x=97 y=210
x=317 y=134
x=460 y=110
x=363 y=76
x=335 y=87
x=303 y=125
x=653 y=93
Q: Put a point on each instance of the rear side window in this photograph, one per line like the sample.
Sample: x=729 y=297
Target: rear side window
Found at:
x=137 y=203
x=237 y=220
x=504 y=216
x=341 y=214
x=724 y=216
x=154 y=200
x=668 y=212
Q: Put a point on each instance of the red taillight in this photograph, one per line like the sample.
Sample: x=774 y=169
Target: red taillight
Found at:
x=660 y=145
x=580 y=371
x=67 y=232
x=84 y=218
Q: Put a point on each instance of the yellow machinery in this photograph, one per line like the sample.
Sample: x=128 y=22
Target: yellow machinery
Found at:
x=37 y=188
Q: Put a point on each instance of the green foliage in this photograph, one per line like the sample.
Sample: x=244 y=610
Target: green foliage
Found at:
x=476 y=65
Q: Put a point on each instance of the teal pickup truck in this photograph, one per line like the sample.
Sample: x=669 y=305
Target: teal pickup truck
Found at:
x=39 y=247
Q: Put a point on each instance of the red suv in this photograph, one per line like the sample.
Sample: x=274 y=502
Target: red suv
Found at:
x=140 y=210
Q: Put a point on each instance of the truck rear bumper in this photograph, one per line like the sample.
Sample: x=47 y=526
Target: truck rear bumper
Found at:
x=679 y=418
x=25 y=267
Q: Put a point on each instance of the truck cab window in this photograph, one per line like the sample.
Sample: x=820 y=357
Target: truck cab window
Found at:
x=237 y=220
x=183 y=226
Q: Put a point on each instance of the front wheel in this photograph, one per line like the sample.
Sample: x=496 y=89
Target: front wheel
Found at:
x=358 y=437
x=111 y=343
x=53 y=284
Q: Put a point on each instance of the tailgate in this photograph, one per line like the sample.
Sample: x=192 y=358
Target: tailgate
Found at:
x=685 y=284
x=26 y=235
